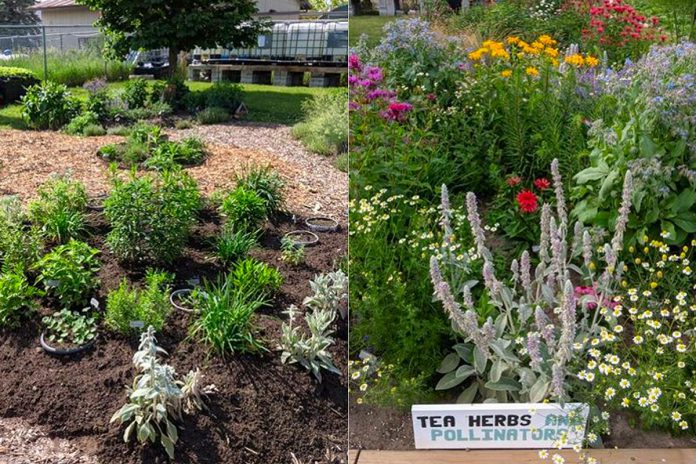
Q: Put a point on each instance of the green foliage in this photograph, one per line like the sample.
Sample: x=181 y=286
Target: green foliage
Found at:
x=256 y=277
x=151 y=216
x=79 y=124
x=267 y=184
x=59 y=209
x=291 y=252
x=9 y=72
x=224 y=322
x=311 y=352
x=69 y=273
x=149 y=305
x=213 y=115
x=71 y=327
x=222 y=95
x=233 y=245
x=166 y=155
x=93 y=130
x=172 y=92
x=244 y=208
x=373 y=382
x=17 y=297
x=329 y=291
x=48 y=106
x=17 y=12
x=19 y=245
x=135 y=93
x=325 y=126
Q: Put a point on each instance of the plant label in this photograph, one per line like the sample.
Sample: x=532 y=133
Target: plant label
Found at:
x=499 y=425
x=137 y=324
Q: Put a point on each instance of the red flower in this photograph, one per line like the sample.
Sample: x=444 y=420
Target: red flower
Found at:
x=527 y=201
x=542 y=183
x=513 y=180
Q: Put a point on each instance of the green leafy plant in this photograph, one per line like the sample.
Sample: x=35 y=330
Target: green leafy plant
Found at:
x=19 y=245
x=60 y=209
x=69 y=272
x=257 y=277
x=325 y=127
x=149 y=305
x=17 y=297
x=157 y=399
x=311 y=352
x=213 y=115
x=135 y=93
x=188 y=152
x=80 y=123
x=71 y=327
x=48 y=106
x=267 y=184
x=225 y=315
x=151 y=216
x=244 y=208
x=232 y=245
x=291 y=252
x=221 y=96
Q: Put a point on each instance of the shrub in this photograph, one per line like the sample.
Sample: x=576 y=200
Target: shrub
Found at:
x=233 y=245
x=151 y=216
x=213 y=115
x=267 y=184
x=224 y=323
x=119 y=130
x=94 y=130
x=157 y=399
x=98 y=100
x=311 y=352
x=69 y=273
x=244 y=208
x=135 y=93
x=14 y=82
x=17 y=297
x=172 y=92
x=219 y=95
x=256 y=277
x=325 y=126
x=59 y=209
x=79 y=124
x=149 y=305
x=48 y=106
x=20 y=246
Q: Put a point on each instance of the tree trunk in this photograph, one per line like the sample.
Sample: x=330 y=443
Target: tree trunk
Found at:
x=173 y=62
x=356 y=6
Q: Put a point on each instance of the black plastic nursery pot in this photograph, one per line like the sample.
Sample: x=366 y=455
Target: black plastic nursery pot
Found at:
x=64 y=351
x=302 y=238
x=321 y=224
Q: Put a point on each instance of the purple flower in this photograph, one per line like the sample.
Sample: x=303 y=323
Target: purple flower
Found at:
x=354 y=62
x=374 y=73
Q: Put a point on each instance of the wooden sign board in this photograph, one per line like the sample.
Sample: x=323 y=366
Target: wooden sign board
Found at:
x=499 y=425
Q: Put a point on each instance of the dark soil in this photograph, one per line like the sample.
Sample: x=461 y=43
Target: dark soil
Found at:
x=265 y=412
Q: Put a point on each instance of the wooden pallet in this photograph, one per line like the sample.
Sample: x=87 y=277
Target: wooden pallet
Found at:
x=608 y=456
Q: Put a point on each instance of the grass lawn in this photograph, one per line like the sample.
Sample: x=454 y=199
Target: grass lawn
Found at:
x=266 y=103
x=369 y=25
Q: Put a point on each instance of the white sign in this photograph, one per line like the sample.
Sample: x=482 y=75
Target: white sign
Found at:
x=499 y=425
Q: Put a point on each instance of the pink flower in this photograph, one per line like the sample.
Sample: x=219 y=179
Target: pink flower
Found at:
x=542 y=183
x=354 y=62
x=527 y=201
x=396 y=111
x=374 y=73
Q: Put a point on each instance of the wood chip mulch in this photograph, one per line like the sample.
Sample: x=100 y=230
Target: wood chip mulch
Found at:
x=313 y=184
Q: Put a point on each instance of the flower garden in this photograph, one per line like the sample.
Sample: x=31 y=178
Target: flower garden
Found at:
x=523 y=217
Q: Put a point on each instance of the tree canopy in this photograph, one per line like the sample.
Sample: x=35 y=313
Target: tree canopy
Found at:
x=16 y=12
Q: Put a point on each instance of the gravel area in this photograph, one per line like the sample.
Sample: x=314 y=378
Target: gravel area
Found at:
x=313 y=184
x=22 y=444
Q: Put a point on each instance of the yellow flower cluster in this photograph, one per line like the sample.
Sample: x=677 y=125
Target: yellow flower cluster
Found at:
x=492 y=48
x=579 y=61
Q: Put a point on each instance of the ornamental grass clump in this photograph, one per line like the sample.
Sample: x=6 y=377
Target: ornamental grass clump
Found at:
x=537 y=325
x=157 y=399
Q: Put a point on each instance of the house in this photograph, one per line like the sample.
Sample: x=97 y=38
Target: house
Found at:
x=61 y=17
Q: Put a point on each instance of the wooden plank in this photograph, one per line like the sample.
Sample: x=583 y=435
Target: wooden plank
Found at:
x=609 y=456
x=353 y=456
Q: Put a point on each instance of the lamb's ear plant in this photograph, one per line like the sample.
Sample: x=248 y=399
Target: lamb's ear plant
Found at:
x=518 y=353
x=329 y=291
x=311 y=352
x=157 y=399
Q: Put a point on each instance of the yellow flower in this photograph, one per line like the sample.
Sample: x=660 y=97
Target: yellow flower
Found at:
x=506 y=73
x=532 y=71
x=538 y=45
x=478 y=54
x=552 y=52
x=547 y=40
x=575 y=60
x=500 y=53
x=512 y=40
x=591 y=61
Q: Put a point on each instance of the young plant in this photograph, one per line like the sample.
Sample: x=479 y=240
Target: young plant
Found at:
x=151 y=216
x=330 y=291
x=213 y=115
x=17 y=297
x=71 y=327
x=233 y=245
x=291 y=252
x=135 y=93
x=225 y=315
x=69 y=273
x=267 y=184
x=244 y=208
x=149 y=305
x=157 y=398
x=60 y=209
x=79 y=124
x=517 y=353
x=311 y=352
x=257 y=277
x=19 y=245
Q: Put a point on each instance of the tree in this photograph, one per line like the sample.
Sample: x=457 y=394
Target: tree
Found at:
x=16 y=12
x=178 y=25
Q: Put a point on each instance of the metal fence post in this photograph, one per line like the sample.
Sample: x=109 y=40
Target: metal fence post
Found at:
x=43 y=33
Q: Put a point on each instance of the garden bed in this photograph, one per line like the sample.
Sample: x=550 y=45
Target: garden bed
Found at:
x=264 y=410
